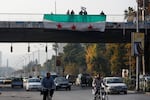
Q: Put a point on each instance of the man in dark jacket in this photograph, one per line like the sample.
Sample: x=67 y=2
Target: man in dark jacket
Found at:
x=48 y=84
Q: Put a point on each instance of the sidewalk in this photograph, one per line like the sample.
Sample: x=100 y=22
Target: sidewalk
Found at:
x=148 y=93
x=138 y=92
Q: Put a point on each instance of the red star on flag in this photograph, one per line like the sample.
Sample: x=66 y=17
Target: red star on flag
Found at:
x=90 y=27
x=59 y=26
x=73 y=27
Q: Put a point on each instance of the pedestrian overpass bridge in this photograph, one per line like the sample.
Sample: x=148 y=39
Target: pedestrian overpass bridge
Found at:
x=36 y=32
x=29 y=32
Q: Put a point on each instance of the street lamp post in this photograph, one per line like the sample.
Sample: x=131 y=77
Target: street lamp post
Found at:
x=137 y=57
x=24 y=68
x=55 y=47
x=143 y=18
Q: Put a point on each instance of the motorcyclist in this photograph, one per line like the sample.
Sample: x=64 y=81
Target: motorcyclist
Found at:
x=48 y=84
x=97 y=84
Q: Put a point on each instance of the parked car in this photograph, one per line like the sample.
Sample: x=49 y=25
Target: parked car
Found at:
x=1 y=80
x=145 y=83
x=114 y=85
x=17 y=82
x=33 y=84
x=7 y=81
x=25 y=79
x=62 y=83
x=84 y=79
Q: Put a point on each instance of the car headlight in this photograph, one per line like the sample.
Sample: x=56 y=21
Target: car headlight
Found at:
x=57 y=84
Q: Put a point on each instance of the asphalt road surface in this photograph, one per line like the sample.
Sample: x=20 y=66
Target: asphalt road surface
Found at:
x=76 y=93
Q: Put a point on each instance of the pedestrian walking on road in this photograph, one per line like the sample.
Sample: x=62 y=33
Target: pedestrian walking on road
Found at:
x=48 y=84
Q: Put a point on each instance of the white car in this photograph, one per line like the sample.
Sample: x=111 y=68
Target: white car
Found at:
x=33 y=84
x=114 y=85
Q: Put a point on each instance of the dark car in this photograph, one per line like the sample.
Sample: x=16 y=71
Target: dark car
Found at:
x=84 y=79
x=17 y=82
x=71 y=78
x=62 y=83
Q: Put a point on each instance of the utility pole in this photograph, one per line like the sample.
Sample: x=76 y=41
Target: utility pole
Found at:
x=143 y=14
x=55 y=7
x=143 y=11
x=137 y=57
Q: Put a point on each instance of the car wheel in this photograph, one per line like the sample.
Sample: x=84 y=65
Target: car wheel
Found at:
x=69 y=88
x=66 y=89
x=27 y=89
x=125 y=92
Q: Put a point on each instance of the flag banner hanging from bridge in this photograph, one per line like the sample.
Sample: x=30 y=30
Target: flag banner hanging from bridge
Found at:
x=75 y=22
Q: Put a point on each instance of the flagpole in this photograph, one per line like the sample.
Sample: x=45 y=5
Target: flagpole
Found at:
x=55 y=6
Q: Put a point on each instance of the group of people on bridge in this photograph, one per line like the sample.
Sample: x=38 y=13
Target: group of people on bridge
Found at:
x=82 y=12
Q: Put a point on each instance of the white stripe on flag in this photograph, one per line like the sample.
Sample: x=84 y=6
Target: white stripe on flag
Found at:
x=99 y=26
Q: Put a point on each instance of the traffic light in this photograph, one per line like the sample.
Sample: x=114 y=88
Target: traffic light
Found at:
x=46 y=48
x=28 y=48
x=11 y=48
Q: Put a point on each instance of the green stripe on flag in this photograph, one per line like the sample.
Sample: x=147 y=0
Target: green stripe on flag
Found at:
x=74 y=18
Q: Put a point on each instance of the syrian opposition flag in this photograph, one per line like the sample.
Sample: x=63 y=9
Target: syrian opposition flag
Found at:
x=75 y=22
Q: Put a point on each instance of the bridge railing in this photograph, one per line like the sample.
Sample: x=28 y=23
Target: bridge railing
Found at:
x=126 y=25
x=21 y=24
x=109 y=25
x=25 y=20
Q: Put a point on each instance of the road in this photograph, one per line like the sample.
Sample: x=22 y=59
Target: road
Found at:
x=76 y=93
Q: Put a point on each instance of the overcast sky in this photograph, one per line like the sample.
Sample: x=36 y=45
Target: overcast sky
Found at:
x=22 y=10
x=40 y=7
x=47 y=6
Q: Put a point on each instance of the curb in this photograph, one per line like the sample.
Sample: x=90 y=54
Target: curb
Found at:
x=138 y=92
x=148 y=93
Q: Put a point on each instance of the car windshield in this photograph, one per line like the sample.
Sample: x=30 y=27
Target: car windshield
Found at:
x=17 y=79
x=115 y=80
x=61 y=79
x=34 y=80
x=54 y=76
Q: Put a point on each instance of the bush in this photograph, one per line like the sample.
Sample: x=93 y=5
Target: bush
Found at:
x=130 y=83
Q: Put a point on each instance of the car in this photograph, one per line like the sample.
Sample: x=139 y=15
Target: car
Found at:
x=71 y=78
x=33 y=84
x=114 y=85
x=25 y=79
x=7 y=81
x=17 y=82
x=62 y=83
x=1 y=80
x=84 y=79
